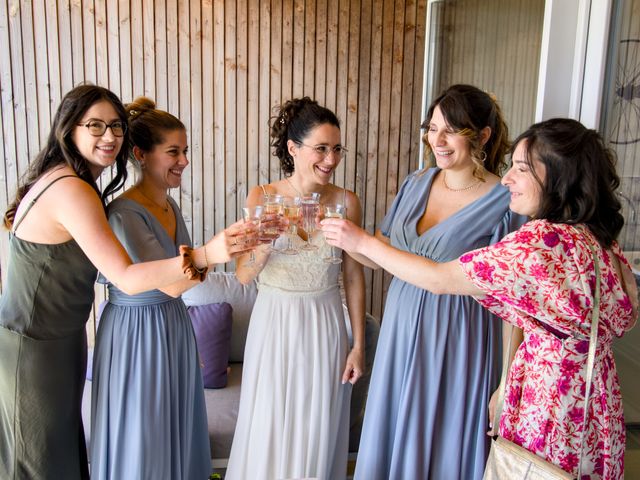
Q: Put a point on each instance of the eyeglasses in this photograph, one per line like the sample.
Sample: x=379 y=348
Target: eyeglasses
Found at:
x=324 y=150
x=97 y=128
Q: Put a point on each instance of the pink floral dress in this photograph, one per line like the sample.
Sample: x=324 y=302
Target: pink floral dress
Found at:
x=541 y=278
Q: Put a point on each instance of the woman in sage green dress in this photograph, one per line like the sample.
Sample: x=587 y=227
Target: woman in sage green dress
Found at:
x=59 y=235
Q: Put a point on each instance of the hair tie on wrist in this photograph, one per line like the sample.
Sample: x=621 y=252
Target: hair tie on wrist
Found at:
x=189 y=267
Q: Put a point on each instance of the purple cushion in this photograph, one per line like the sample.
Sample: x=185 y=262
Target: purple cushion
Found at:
x=212 y=327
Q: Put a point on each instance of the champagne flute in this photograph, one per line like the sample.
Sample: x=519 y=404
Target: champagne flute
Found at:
x=292 y=211
x=310 y=207
x=273 y=204
x=334 y=210
x=253 y=215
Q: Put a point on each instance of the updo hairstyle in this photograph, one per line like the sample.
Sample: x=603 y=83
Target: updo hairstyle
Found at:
x=294 y=121
x=147 y=124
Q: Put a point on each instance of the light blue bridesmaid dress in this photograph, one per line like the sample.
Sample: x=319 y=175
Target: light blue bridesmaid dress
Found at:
x=148 y=412
x=438 y=356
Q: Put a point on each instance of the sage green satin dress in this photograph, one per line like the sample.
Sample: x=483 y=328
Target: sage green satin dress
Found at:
x=43 y=347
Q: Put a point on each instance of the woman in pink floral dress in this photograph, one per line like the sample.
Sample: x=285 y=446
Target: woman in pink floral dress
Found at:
x=541 y=278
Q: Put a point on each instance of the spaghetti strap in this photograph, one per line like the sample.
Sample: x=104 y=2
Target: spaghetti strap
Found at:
x=264 y=191
x=34 y=200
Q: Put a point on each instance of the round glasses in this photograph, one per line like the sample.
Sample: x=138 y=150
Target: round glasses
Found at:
x=324 y=150
x=97 y=128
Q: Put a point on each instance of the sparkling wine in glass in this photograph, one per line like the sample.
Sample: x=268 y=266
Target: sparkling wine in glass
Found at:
x=273 y=205
x=310 y=209
x=253 y=215
x=292 y=210
x=334 y=210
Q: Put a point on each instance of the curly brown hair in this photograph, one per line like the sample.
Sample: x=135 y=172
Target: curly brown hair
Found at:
x=294 y=120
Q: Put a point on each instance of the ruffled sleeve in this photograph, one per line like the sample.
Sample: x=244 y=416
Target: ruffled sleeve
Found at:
x=535 y=273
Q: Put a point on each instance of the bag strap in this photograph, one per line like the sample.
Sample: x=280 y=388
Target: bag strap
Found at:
x=593 y=340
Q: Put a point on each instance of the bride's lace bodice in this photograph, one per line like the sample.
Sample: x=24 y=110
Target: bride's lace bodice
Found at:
x=306 y=271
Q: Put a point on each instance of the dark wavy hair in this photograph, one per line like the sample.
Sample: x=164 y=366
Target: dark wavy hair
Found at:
x=61 y=150
x=467 y=110
x=147 y=124
x=295 y=119
x=580 y=176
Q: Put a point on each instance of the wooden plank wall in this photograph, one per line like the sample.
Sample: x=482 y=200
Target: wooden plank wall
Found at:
x=221 y=66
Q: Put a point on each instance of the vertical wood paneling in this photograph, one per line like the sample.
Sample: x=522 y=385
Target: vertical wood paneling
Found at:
x=123 y=70
x=102 y=50
x=265 y=89
x=159 y=40
x=374 y=191
x=310 y=35
x=222 y=66
x=254 y=79
x=320 y=66
x=350 y=119
x=42 y=72
x=332 y=54
x=230 y=91
x=297 y=39
x=342 y=71
x=241 y=125
x=77 y=47
x=275 y=77
x=113 y=46
x=208 y=122
x=60 y=37
x=193 y=195
x=218 y=181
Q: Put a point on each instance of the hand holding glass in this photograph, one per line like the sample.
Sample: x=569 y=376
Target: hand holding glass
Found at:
x=334 y=211
x=253 y=215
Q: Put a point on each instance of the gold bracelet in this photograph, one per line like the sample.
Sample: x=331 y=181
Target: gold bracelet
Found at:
x=189 y=267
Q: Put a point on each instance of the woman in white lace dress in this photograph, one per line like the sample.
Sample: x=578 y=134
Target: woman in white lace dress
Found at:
x=298 y=366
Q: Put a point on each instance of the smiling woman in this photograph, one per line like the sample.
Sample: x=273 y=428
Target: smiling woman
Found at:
x=293 y=419
x=59 y=236
x=543 y=279
x=149 y=434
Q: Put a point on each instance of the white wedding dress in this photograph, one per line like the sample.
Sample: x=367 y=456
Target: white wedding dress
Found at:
x=293 y=420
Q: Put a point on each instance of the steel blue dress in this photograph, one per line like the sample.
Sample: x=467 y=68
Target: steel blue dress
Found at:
x=148 y=412
x=438 y=356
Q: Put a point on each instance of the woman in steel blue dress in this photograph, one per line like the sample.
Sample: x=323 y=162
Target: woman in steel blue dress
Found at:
x=148 y=412
x=438 y=356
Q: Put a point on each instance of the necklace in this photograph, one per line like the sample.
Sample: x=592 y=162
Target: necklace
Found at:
x=294 y=188
x=468 y=187
x=164 y=208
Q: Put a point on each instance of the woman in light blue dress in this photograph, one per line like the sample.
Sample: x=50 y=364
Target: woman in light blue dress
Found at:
x=438 y=356
x=148 y=411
